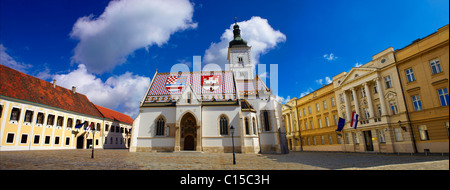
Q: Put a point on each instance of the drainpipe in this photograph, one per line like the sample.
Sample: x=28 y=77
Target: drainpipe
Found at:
x=406 y=106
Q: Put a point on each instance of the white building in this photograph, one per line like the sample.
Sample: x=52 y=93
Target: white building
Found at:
x=195 y=110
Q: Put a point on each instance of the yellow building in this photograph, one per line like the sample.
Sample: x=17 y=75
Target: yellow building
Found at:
x=311 y=121
x=38 y=115
x=424 y=73
x=373 y=91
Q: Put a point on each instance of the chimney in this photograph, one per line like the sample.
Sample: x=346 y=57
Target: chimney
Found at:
x=54 y=83
x=74 y=89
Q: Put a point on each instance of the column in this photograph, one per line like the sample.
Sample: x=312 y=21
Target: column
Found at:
x=347 y=107
x=177 y=138
x=381 y=94
x=369 y=100
x=355 y=97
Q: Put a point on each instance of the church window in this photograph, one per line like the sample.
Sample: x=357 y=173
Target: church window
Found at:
x=254 y=125
x=266 y=120
x=160 y=127
x=240 y=60
x=247 y=129
x=189 y=98
x=223 y=125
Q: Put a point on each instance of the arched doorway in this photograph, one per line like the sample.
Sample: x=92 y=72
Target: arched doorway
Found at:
x=80 y=142
x=189 y=142
x=188 y=133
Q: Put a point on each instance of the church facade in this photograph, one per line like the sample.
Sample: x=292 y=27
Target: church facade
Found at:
x=211 y=110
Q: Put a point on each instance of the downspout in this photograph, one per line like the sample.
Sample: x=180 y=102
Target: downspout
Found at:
x=406 y=106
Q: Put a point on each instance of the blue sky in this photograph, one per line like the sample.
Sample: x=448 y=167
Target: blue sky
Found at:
x=110 y=51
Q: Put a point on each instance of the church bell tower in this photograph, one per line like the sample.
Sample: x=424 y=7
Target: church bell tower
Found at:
x=239 y=56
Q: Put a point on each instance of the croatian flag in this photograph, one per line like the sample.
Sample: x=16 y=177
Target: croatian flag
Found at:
x=354 y=121
x=88 y=127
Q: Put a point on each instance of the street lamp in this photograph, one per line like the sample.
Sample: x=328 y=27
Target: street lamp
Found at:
x=232 y=140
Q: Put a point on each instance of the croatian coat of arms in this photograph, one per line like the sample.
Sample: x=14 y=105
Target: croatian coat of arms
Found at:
x=211 y=82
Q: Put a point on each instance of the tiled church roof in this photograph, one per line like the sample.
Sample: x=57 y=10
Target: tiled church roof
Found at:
x=159 y=89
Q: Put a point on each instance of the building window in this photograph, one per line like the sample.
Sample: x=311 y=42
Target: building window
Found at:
x=106 y=127
x=309 y=109
x=23 y=139
x=223 y=125
x=59 y=121
x=339 y=139
x=327 y=122
x=347 y=138
x=317 y=107
x=68 y=141
x=15 y=114
x=335 y=119
x=304 y=111
x=355 y=138
x=381 y=136
x=240 y=60
x=423 y=132
x=330 y=139
x=266 y=120
x=159 y=127
x=254 y=125
x=40 y=118
x=398 y=134
x=36 y=139
x=363 y=92
x=443 y=96
x=10 y=138
x=435 y=66
x=56 y=140
x=50 y=119
x=324 y=104
x=410 y=75
x=393 y=107
x=320 y=123
x=375 y=90
x=247 y=129
x=333 y=102
x=28 y=116
x=388 y=82
x=306 y=125
x=322 y=140
x=341 y=98
x=47 y=140
x=311 y=123
x=417 y=103
x=69 y=122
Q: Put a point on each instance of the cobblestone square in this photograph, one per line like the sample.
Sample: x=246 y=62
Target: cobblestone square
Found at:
x=124 y=160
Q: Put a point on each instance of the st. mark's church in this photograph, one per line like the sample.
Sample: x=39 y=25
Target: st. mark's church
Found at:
x=202 y=111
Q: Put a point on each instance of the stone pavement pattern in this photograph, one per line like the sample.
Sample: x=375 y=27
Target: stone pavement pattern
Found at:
x=124 y=160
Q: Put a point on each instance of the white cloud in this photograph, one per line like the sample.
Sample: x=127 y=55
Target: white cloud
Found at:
x=358 y=64
x=125 y=26
x=327 y=80
x=257 y=32
x=282 y=100
x=330 y=57
x=7 y=60
x=308 y=91
x=121 y=93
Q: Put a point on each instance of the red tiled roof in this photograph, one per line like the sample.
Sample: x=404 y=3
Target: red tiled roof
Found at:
x=114 y=115
x=21 y=86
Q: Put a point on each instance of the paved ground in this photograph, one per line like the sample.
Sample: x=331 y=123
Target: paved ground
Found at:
x=124 y=160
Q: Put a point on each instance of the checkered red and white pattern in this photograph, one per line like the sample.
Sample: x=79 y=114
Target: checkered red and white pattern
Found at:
x=159 y=93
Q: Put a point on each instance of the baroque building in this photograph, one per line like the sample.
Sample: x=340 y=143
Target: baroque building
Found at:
x=195 y=110
x=401 y=98
x=423 y=69
x=38 y=115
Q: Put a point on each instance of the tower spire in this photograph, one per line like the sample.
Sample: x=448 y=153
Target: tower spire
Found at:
x=237 y=40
